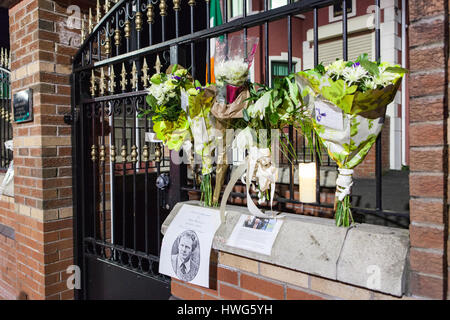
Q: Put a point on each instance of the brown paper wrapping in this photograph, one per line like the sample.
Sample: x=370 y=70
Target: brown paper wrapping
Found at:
x=224 y=113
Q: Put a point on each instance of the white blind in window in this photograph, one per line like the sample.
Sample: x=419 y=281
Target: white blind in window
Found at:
x=332 y=50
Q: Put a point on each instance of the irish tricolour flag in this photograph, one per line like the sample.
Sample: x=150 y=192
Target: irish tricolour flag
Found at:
x=215 y=20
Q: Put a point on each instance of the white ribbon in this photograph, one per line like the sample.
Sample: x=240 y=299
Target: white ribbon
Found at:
x=259 y=167
x=344 y=183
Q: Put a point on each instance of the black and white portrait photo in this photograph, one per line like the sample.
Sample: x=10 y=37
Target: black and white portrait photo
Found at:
x=186 y=256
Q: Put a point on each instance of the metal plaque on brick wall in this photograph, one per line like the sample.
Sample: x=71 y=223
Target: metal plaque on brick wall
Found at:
x=23 y=106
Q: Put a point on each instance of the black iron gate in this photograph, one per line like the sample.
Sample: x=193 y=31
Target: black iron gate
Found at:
x=118 y=208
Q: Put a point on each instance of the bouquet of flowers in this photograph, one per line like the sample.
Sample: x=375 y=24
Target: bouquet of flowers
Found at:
x=180 y=110
x=232 y=64
x=199 y=101
x=348 y=101
x=269 y=111
x=231 y=69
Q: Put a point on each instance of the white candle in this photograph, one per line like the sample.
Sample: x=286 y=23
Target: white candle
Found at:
x=307 y=182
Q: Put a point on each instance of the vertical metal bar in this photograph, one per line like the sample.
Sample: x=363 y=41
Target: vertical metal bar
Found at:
x=378 y=151
x=124 y=170
x=316 y=62
x=81 y=212
x=208 y=43
x=291 y=129
x=192 y=43
x=150 y=25
x=94 y=176
x=344 y=30
x=266 y=46
x=103 y=171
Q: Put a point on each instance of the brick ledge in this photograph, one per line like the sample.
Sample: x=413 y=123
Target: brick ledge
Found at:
x=316 y=246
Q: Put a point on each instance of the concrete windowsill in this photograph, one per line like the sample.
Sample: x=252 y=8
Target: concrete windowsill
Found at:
x=367 y=256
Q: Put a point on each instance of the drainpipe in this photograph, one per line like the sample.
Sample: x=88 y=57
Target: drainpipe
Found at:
x=404 y=29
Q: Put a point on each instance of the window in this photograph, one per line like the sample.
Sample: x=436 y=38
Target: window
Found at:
x=336 y=10
x=279 y=3
x=236 y=8
x=280 y=69
x=330 y=50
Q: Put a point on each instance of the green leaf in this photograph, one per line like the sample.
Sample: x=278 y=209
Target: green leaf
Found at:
x=362 y=57
x=174 y=68
x=320 y=68
x=397 y=70
x=273 y=118
x=246 y=116
x=371 y=67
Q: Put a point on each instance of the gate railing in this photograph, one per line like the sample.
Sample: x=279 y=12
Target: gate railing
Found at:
x=6 y=155
x=119 y=214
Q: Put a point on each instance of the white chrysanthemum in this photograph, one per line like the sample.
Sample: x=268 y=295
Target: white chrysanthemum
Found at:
x=354 y=74
x=385 y=78
x=336 y=68
x=234 y=72
x=258 y=109
x=162 y=92
x=369 y=83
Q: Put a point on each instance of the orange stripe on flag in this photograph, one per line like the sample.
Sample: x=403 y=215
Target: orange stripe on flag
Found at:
x=213 y=78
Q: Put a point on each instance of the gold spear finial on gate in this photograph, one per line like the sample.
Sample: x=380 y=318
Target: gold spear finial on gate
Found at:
x=99 y=12
x=93 y=85
x=9 y=60
x=150 y=13
x=191 y=3
x=102 y=83
x=90 y=23
x=2 y=57
x=112 y=81
x=163 y=8
x=134 y=76
x=83 y=31
x=158 y=65
x=113 y=153
x=107 y=6
x=145 y=73
x=124 y=82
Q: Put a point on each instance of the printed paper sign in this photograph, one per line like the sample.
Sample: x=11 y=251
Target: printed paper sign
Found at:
x=255 y=234
x=186 y=246
x=329 y=115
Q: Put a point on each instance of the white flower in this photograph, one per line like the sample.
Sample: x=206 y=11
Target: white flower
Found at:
x=234 y=71
x=244 y=140
x=369 y=83
x=336 y=68
x=354 y=74
x=258 y=109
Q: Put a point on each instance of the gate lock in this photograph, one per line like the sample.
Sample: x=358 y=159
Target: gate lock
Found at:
x=163 y=181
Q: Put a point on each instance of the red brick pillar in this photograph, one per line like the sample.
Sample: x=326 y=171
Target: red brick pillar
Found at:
x=42 y=44
x=429 y=42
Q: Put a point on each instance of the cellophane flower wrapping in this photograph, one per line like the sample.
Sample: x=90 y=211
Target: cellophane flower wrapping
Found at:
x=180 y=109
x=348 y=105
x=232 y=63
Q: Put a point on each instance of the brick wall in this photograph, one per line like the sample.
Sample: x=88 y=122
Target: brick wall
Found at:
x=366 y=169
x=235 y=278
x=42 y=45
x=429 y=40
x=8 y=259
